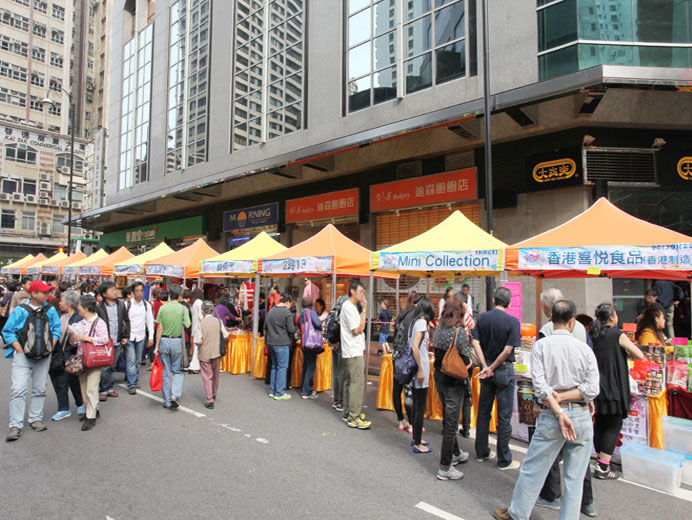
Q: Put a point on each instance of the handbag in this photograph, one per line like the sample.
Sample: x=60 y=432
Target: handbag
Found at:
x=57 y=359
x=75 y=364
x=156 y=377
x=222 y=341
x=405 y=365
x=97 y=356
x=453 y=364
x=312 y=338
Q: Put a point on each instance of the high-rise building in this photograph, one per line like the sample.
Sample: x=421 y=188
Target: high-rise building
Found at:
x=48 y=49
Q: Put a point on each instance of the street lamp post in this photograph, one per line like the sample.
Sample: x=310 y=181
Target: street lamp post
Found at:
x=48 y=101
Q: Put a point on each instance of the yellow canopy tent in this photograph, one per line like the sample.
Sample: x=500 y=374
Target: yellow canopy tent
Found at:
x=37 y=259
x=73 y=268
x=55 y=267
x=135 y=265
x=35 y=268
x=104 y=266
x=455 y=247
x=242 y=260
x=16 y=265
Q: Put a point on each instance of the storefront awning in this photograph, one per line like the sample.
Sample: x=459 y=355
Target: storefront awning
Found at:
x=184 y=263
x=104 y=266
x=242 y=260
x=135 y=265
x=455 y=247
x=604 y=241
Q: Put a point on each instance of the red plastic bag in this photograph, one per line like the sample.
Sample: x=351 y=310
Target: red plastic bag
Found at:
x=156 y=378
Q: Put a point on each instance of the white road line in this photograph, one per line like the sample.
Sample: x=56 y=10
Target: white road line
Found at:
x=493 y=441
x=199 y=415
x=437 y=512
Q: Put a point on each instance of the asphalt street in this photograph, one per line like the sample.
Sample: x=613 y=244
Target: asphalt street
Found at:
x=252 y=457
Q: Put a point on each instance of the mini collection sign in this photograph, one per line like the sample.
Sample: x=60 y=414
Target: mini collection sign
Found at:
x=487 y=260
x=557 y=170
x=318 y=207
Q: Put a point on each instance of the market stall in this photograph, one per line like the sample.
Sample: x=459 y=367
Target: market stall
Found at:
x=605 y=241
x=55 y=267
x=72 y=268
x=104 y=266
x=455 y=247
x=10 y=268
x=22 y=267
x=184 y=263
x=135 y=265
x=242 y=262
x=35 y=268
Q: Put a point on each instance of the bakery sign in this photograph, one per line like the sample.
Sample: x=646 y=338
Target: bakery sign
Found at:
x=685 y=168
x=328 y=205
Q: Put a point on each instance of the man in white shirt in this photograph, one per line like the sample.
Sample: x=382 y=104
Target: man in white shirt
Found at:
x=352 y=348
x=141 y=331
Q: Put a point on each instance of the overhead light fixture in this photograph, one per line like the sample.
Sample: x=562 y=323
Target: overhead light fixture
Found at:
x=658 y=143
x=588 y=140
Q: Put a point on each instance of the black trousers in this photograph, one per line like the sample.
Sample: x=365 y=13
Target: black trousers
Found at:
x=606 y=431
x=417 y=414
x=269 y=370
x=397 y=388
x=552 y=488
x=61 y=382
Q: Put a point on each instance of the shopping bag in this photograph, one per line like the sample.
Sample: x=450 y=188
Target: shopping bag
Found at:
x=98 y=356
x=156 y=378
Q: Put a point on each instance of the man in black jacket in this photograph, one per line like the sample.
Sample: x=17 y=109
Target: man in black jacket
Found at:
x=278 y=329
x=113 y=312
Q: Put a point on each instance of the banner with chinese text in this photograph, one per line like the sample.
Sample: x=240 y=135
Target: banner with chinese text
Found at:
x=175 y=271
x=488 y=260
x=308 y=264
x=127 y=269
x=228 y=266
x=607 y=258
x=328 y=205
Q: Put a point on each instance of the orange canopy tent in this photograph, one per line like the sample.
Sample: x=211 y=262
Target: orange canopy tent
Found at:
x=104 y=266
x=8 y=268
x=329 y=252
x=35 y=268
x=604 y=241
x=55 y=266
x=21 y=269
x=184 y=263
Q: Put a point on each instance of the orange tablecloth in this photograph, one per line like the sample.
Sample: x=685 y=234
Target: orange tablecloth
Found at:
x=259 y=369
x=658 y=407
x=238 y=354
x=434 y=407
x=323 y=371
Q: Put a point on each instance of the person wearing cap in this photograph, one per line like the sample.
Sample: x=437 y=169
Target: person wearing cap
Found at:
x=24 y=368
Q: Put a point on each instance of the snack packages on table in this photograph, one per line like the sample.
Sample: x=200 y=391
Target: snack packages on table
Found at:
x=678 y=375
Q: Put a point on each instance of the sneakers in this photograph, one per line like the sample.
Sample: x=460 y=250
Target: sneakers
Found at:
x=360 y=423
x=81 y=410
x=339 y=407
x=490 y=455
x=13 y=434
x=38 y=426
x=282 y=397
x=554 y=504
x=132 y=390
x=313 y=395
x=460 y=459
x=515 y=464
x=606 y=474
x=451 y=474
x=61 y=415
x=588 y=510
x=501 y=514
x=271 y=396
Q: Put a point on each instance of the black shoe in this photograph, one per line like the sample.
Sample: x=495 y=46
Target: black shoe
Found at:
x=209 y=405
x=82 y=418
x=465 y=434
x=98 y=414
x=174 y=404
x=88 y=425
x=132 y=390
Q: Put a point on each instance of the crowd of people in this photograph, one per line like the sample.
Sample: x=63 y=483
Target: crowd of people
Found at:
x=578 y=367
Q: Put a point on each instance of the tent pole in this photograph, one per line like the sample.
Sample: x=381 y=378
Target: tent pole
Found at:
x=427 y=287
x=397 y=295
x=539 y=309
x=333 y=289
x=255 y=321
x=368 y=333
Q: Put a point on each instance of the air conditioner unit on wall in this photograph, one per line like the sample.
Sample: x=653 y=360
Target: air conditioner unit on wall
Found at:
x=44 y=229
x=4 y=196
x=30 y=199
x=44 y=202
x=65 y=170
x=54 y=202
x=77 y=205
x=44 y=186
x=44 y=177
x=18 y=197
x=64 y=204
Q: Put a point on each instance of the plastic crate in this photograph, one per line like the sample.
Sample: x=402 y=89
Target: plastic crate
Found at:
x=650 y=467
x=677 y=435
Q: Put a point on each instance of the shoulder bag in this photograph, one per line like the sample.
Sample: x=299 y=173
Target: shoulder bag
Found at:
x=312 y=338
x=222 y=340
x=453 y=364
x=97 y=356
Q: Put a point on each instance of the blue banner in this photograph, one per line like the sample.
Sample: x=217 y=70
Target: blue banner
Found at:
x=250 y=218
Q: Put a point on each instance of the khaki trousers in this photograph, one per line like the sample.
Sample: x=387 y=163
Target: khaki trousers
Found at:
x=354 y=386
x=89 y=382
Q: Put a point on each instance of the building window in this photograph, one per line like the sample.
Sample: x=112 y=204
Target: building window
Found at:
x=28 y=221
x=12 y=97
x=572 y=34
x=55 y=109
x=14 y=20
x=188 y=88
x=39 y=54
x=136 y=109
x=22 y=2
x=41 y=7
x=7 y=219
x=35 y=103
x=268 y=75
x=16 y=46
x=20 y=153
x=56 y=60
x=29 y=187
x=58 y=227
x=60 y=192
x=58 y=12
x=63 y=161
x=37 y=79
x=10 y=186
x=55 y=84
x=39 y=29
x=57 y=36
x=12 y=71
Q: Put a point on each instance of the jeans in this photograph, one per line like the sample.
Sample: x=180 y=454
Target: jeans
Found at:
x=545 y=446
x=22 y=370
x=108 y=373
x=552 y=489
x=354 y=387
x=452 y=399
x=133 y=351
x=308 y=372
x=63 y=381
x=277 y=380
x=500 y=386
x=170 y=354
x=417 y=414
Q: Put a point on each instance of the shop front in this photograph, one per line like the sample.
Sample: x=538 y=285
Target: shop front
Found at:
x=241 y=225
x=176 y=233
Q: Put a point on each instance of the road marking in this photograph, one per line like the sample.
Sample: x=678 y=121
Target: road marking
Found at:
x=437 y=512
x=493 y=441
x=680 y=493
x=199 y=415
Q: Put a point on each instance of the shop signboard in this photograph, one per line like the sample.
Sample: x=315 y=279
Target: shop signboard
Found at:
x=228 y=266
x=318 y=207
x=91 y=271
x=482 y=260
x=251 y=218
x=306 y=264
x=181 y=228
x=594 y=259
x=431 y=189
x=555 y=170
x=674 y=166
x=33 y=270
x=685 y=168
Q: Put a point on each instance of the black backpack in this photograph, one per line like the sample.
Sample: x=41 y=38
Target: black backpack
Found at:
x=332 y=325
x=35 y=336
x=401 y=329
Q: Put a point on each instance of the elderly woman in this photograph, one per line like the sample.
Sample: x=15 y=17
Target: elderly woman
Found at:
x=62 y=380
x=91 y=329
x=208 y=337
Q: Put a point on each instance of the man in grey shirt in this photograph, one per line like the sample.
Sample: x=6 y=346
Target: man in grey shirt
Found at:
x=565 y=379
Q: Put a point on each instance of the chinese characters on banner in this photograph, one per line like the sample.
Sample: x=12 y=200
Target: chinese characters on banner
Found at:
x=606 y=258
x=514 y=308
x=327 y=205
x=431 y=189
x=228 y=266
x=460 y=261
x=635 y=428
x=128 y=269
x=166 y=270
x=308 y=264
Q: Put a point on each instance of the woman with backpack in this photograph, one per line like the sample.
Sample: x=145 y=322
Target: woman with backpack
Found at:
x=451 y=333
x=311 y=337
x=401 y=329
x=419 y=339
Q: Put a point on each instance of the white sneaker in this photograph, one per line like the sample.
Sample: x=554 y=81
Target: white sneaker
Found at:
x=461 y=458
x=451 y=474
x=515 y=464
x=491 y=455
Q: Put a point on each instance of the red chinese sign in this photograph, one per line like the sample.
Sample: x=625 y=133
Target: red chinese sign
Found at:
x=431 y=189
x=328 y=205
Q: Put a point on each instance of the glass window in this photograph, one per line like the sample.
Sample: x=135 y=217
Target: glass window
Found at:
x=58 y=227
x=63 y=160
x=29 y=187
x=557 y=25
x=558 y=63
x=60 y=192
x=418 y=73
x=28 y=221
x=20 y=153
x=10 y=186
x=7 y=219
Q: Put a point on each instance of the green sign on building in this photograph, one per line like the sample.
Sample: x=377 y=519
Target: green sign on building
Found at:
x=186 y=227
